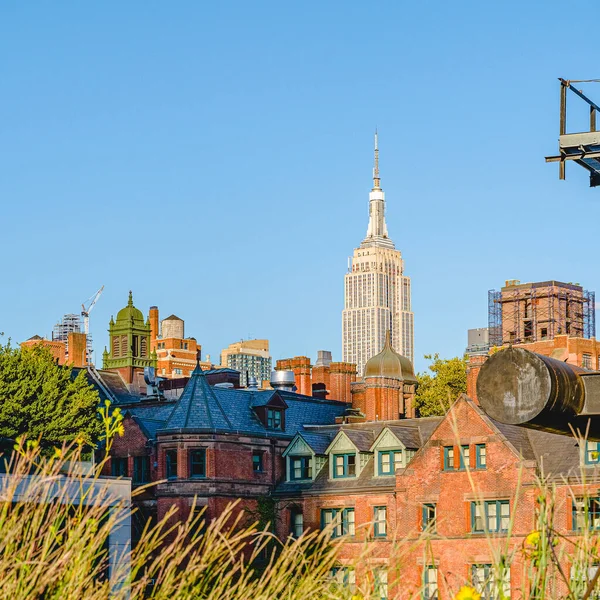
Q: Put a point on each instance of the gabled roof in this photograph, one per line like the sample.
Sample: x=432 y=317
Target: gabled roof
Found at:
x=408 y=437
x=172 y=318
x=361 y=440
x=271 y=397
x=317 y=441
x=555 y=455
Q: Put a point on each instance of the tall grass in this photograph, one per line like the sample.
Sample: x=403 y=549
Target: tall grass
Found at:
x=55 y=526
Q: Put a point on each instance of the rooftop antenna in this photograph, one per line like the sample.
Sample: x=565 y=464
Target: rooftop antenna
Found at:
x=376 y=179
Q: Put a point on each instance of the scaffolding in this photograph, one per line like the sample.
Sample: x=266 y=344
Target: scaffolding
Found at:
x=495 y=318
x=71 y=323
x=533 y=312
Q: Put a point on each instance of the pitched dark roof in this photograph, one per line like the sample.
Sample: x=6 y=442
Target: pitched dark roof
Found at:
x=410 y=436
x=204 y=407
x=172 y=318
x=317 y=441
x=363 y=440
x=199 y=407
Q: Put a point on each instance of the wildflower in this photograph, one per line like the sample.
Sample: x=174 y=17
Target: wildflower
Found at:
x=57 y=453
x=80 y=440
x=467 y=592
x=533 y=539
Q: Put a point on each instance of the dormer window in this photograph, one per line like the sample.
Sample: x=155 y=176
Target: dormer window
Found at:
x=274 y=420
x=390 y=461
x=344 y=465
x=300 y=467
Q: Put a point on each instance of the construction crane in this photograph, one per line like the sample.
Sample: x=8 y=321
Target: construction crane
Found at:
x=85 y=312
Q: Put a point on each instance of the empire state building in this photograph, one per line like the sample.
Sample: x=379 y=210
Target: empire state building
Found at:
x=376 y=291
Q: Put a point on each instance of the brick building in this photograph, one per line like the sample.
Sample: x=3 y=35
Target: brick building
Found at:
x=369 y=469
x=335 y=378
x=550 y=317
x=175 y=353
x=76 y=343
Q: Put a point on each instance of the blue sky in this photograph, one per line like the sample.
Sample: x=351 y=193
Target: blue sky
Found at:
x=216 y=159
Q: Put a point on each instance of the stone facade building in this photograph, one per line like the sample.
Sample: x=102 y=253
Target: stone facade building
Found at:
x=251 y=358
x=377 y=295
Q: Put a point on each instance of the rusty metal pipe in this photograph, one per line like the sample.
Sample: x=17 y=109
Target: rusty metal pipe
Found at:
x=517 y=387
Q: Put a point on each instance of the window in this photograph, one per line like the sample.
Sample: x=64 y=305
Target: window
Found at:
x=429 y=517
x=300 y=467
x=491 y=515
x=544 y=332
x=389 y=461
x=487 y=582
x=119 y=466
x=592 y=453
x=274 y=419
x=171 y=463
x=344 y=577
x=586 y=361
x=177 y=371
x=380 y=577
x=480 y=456
x=448 y=458
x=257 y=461
x=580 y=580
x=141 y=469
x=344 y=465
x=343 y=519
x=296 y=523
x=199 y=524
x=198 y=462
x=380 y=521
x=464 y=457
x=430 y=588
x=185 y=345
x=586 y=514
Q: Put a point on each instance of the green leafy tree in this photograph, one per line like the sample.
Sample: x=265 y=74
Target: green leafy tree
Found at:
x=438 y=389
x=42 y=400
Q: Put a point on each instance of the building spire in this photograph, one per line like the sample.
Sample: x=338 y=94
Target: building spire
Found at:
x=376 y=179
x=377 y=234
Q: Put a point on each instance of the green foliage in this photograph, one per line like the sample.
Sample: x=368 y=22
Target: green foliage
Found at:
x=437 y=390
x=42 y=400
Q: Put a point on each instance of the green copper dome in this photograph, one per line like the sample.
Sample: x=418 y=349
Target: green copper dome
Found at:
x=388 y=363
x=130 y=313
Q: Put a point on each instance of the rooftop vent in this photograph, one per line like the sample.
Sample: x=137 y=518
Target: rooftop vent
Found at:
x=282 y=380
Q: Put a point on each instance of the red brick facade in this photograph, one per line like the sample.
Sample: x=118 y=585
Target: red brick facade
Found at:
x=337 y=376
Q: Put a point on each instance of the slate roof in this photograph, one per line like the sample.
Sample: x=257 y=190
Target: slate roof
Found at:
x=410 y=436
x=208 y=408
x=199 y=407
x=317 y=441
x=363 y=440
x=110 y=387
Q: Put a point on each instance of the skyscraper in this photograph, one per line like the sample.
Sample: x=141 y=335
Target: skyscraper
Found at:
x=377 y=293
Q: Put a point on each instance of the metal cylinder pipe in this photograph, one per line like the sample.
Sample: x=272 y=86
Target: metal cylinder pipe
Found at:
x=517 y=387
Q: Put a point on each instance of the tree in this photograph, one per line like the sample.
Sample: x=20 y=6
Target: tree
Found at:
x=437 y=391
x=43 y=400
